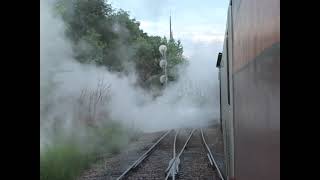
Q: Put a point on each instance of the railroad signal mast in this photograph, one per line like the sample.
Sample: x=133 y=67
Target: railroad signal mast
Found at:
x=163 y=62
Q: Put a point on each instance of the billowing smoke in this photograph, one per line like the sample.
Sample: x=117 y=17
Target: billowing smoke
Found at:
x=192 y=101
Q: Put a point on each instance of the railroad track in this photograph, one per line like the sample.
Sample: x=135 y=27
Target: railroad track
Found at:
x=178 y=154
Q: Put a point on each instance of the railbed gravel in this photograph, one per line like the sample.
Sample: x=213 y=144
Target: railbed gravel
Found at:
x=111 y=167
x=194 y=163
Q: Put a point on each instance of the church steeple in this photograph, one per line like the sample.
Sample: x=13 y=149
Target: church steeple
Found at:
x=171 y=36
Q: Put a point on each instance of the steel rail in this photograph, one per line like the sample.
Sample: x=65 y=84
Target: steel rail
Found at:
x=141 y=158
x=177 y=157
x=174 y=144
x=172 y=162
x=210 y=157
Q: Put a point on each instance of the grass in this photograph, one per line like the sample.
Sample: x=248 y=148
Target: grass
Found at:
x=69 y=155
x=62 y=162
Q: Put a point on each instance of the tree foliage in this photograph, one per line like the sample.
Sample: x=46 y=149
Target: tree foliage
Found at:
x=107 y=37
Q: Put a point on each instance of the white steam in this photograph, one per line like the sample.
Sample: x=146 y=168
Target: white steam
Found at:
x=192 y=101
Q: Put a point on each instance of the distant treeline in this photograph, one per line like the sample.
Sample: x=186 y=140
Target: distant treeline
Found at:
x=107 y=37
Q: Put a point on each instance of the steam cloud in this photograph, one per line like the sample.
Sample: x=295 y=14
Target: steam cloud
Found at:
x=192 y=101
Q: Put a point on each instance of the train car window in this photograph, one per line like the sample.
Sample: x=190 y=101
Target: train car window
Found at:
x=219 y=60
x=228 y=81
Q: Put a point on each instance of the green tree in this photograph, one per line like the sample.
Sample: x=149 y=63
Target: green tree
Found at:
x=110 y=38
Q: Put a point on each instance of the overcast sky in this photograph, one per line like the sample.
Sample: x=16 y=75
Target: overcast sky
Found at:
x=200 y=25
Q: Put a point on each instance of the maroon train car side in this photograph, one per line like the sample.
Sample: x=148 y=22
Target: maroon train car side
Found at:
x=249 y=75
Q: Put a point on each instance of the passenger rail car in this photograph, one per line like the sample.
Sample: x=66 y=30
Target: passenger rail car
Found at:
x=249 y=75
